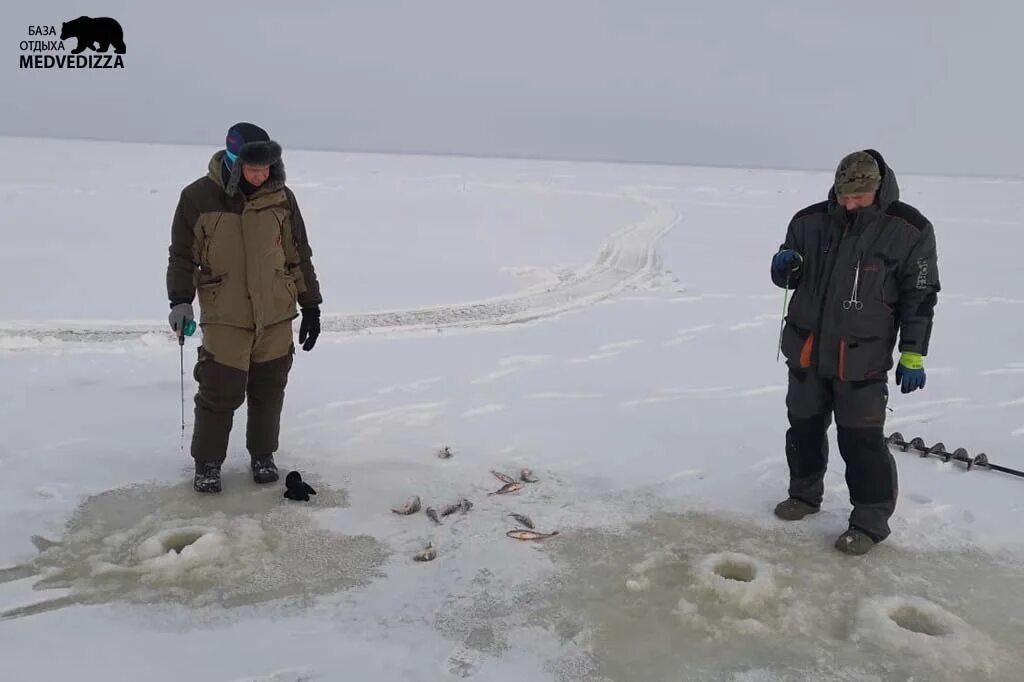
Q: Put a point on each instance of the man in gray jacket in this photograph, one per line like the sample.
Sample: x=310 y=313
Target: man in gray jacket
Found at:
x=863 y=267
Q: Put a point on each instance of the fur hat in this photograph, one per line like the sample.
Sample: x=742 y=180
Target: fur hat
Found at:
x=247 y=143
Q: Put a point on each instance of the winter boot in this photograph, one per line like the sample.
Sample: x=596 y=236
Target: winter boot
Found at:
x=794 y=509
x=855 y=541
x=263 y=469
x=207 y=478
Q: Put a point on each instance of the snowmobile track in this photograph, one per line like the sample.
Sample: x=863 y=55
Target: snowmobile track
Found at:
x=628 y=258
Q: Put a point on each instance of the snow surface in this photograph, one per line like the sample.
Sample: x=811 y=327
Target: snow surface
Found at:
x=611 y=327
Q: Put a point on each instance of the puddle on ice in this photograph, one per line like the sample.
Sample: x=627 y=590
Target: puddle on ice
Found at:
x=704 y=597
x=150 y=544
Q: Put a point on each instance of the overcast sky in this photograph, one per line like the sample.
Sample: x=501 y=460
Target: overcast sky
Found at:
x=933 y=84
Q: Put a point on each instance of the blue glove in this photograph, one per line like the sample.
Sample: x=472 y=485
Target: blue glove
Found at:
x=786 y=263
x=910 y=372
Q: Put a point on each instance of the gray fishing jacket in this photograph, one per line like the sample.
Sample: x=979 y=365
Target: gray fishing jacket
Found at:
x=865 y=277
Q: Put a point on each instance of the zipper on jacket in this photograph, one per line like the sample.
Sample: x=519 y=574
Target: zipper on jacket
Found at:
x=830 y=266
x=821 y=265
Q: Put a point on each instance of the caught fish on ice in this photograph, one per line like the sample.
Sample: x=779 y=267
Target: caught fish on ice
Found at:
x=508 y=488
x=522 y=534
x=428 y=553
x=463 y=505
x=524 y=520
x=527 y=476
x=504 y=478
x=411 y=506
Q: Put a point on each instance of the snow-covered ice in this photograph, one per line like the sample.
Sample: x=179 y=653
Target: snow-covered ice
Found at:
x=611 y=327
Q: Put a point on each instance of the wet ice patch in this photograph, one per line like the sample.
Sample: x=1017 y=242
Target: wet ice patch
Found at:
x=248 y=545
x=720 y=597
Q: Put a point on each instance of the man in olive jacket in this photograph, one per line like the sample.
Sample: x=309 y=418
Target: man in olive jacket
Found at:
x=239 y=241
x=863 y=266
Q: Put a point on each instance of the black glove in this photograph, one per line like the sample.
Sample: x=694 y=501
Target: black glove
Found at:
x=309 y=330
x=297 y=489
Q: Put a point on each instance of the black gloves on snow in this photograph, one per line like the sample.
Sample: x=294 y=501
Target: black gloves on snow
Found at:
x=296 y=488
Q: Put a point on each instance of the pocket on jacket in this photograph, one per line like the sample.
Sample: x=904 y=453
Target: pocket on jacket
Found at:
x=875 y=320
x=207 y=286
x=861 y=359
x=295 y=273
x=797 y=344
x=285 y=293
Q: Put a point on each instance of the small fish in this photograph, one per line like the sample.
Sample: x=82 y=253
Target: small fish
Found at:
x=411 y=506
x=445 y=452
x=450 y=508
x=43 y=544
x=521 y=534
x=428 y=553
x=508 y=488
x=432 y=514
x=527 y=476
x=504 y=478
x=525 y=520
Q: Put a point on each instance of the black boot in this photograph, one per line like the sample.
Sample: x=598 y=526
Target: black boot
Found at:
x=207 y=478
x=263 y=469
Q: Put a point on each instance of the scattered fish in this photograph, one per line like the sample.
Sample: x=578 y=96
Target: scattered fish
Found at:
x=525 y=520
x=445 y=452
x=432 y=514
x=450 y=508
x=411 y=506
x=527 y=476
x=428 y=553
x=504 y=478
x=508 y=488
x=462 y=505
x=521 y=534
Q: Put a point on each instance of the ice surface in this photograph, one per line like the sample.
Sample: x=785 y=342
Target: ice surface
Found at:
x=702 y=595
x=148 y=544
x=611 y=327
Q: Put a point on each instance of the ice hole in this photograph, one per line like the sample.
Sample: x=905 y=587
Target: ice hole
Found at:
x=912 y=618
x=179 y=540
x=736 y=569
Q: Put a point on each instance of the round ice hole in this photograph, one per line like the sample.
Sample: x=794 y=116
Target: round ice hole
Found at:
x=169 y=542
x=736 y=568
x=914 y=619
x=179 y=540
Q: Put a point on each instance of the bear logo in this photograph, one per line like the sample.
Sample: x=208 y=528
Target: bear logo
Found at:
x=101 y=31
